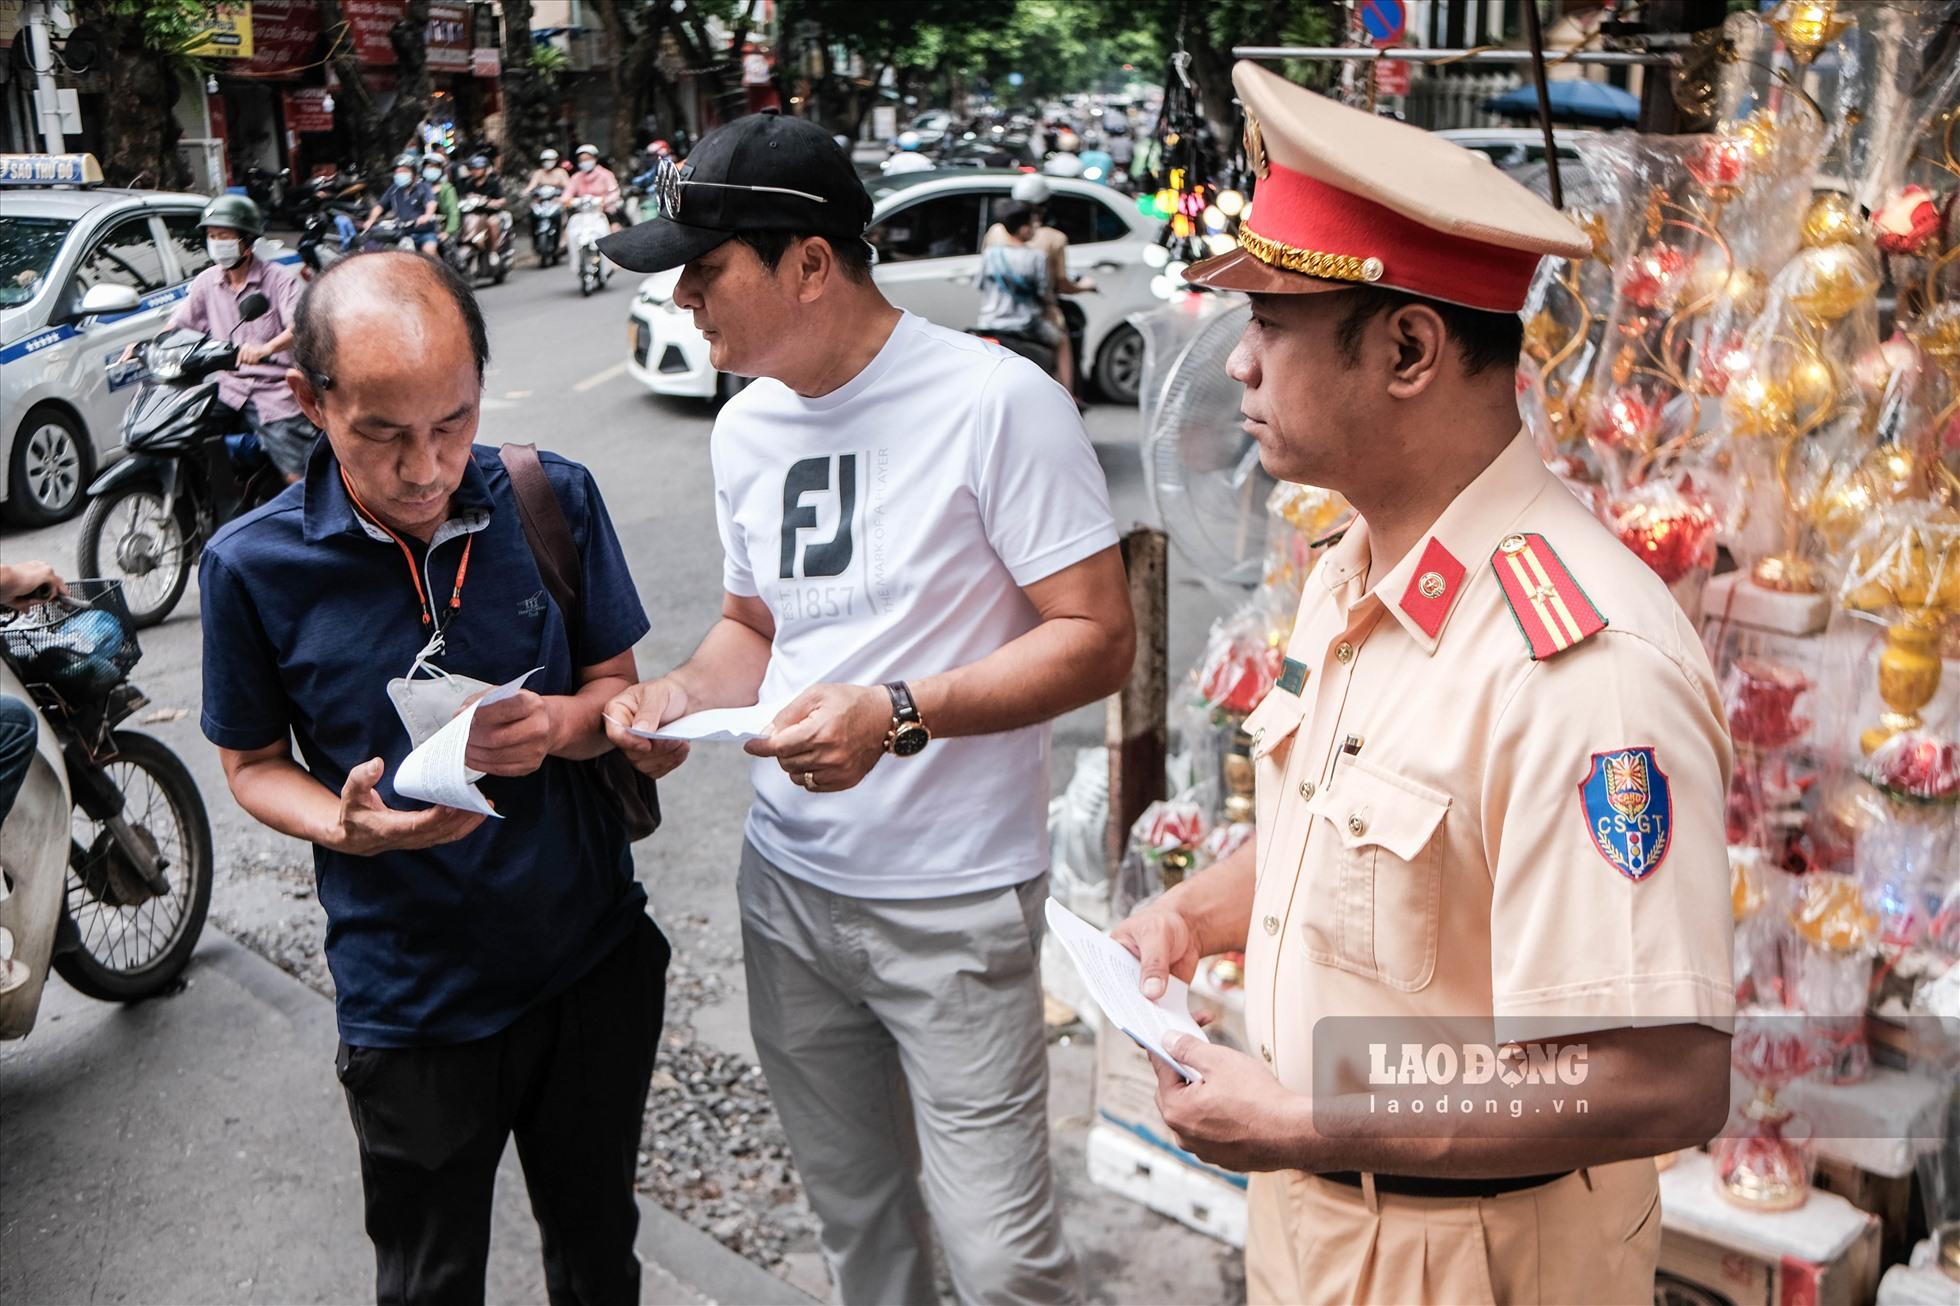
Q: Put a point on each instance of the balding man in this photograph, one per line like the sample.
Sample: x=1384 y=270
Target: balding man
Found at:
x=491 y=976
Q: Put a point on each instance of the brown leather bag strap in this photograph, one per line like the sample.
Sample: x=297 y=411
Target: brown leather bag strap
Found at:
x=545 y=527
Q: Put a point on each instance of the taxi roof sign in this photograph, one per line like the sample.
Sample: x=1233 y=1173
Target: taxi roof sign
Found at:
x=49 y=170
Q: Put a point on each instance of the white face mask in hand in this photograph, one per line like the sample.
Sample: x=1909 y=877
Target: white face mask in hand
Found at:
x=427 y=697
x=225 y=253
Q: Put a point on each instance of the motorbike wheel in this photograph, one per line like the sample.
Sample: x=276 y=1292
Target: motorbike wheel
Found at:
x=128 y=951
x=126 y=537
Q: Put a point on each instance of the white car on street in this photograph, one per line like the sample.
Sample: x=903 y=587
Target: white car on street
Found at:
x=927 y=229
x=61 y=236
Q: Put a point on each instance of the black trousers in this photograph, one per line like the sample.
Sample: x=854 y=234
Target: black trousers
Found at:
x=570 y=1080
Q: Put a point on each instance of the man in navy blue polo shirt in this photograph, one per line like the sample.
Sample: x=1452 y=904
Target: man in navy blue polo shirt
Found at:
x=492 y=976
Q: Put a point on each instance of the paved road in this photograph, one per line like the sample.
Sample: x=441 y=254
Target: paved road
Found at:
x=557 y=378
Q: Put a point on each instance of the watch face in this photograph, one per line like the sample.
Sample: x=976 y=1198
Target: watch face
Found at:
x=911 y=739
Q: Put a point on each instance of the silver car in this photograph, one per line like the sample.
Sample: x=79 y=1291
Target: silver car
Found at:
x=59 y=410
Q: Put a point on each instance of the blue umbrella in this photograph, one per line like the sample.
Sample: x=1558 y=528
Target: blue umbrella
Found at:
x=1571 y=101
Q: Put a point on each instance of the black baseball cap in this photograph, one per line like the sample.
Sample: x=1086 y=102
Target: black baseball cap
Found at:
x=763 y=172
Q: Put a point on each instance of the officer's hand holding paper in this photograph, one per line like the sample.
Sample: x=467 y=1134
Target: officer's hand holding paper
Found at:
x=1115 y=980
x=436 y=771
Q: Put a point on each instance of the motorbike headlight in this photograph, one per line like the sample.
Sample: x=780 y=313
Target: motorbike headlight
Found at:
x=166 y=364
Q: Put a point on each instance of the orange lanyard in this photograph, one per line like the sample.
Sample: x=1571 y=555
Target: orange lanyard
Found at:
x=414 y=572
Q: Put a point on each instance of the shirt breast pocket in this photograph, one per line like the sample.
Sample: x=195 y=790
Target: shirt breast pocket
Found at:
x=1271 y=726
x=1377 y=894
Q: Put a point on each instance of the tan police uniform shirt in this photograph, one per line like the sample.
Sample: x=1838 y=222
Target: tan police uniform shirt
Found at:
x=1426 y=847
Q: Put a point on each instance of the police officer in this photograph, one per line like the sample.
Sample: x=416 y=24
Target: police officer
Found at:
x=1490 y=881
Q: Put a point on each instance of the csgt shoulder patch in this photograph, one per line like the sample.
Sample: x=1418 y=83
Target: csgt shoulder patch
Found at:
x=1629 y=810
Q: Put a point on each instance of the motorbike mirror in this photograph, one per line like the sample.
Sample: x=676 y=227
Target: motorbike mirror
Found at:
x=253 y=307
x=101 y=300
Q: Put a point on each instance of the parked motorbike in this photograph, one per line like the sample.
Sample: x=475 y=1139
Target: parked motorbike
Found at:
x=482 y=245
x=588 y=227
x=269 y=190
x=186 y=474
x=1040 y=354
x=547 y=220
x=108 y=848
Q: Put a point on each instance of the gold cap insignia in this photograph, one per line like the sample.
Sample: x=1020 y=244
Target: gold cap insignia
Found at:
x=1255 y=146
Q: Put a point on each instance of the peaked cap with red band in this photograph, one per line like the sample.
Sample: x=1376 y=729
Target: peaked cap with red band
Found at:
x=1346 y=198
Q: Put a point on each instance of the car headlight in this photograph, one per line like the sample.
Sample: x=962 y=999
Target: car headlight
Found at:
x=650 y=298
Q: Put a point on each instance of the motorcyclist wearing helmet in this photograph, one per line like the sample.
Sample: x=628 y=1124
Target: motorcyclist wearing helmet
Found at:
x=1034 y=190
x=549 y=172
x=907 y=156
x=435 y=171
x=410 y=201
x=481 y=179
x=257 y=389
x=593 y=179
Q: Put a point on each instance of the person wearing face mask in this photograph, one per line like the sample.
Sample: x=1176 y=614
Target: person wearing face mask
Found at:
x=591 y=178
x=435 y=171
x=410 y=201
x=257 y=389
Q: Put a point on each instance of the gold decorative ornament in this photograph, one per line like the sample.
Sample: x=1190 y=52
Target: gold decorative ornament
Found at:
x=1831 y=219
x=1913 y=570
x=1807 y=26
x=1830 y=282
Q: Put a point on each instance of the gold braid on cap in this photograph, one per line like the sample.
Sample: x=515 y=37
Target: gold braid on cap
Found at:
x=1308 y=262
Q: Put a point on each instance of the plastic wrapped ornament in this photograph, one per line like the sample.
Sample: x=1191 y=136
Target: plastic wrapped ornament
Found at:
x=1654 y=276
x=1914 y=767
x=1834 y=970
x=1764 y=1159
x=1625 y=420
x=1670 y=529
x=1907 y=222
x=1762 y=699
x=1828 y=282
x=1832 y=219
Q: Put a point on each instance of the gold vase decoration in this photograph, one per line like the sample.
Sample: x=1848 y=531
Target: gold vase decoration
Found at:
x=1908 y=570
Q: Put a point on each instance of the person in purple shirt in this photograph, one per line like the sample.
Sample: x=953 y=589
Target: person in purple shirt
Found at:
x=257 y=389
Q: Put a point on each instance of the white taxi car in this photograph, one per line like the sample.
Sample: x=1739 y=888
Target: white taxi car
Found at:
x=927 y=229
x=62 y=234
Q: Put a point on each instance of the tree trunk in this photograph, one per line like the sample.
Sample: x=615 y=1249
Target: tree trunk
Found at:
x=140 y=119
x=529 y=120
x=634 y=48
x=356 y=113
x=410 y=39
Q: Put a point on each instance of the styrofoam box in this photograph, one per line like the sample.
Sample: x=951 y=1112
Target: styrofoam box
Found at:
x=1127 y=1165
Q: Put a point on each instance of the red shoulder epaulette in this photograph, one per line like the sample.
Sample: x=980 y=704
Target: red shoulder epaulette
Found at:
x=1552 y=612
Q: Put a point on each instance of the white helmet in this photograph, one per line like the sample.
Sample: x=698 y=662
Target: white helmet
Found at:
x=593 y=150
x=908 y=140
x=1031 y=189
x=1063 y=165
x=548 y=157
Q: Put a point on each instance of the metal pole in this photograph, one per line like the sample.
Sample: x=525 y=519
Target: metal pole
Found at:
x=1407 y=54
x=47 y=99
x=1544 y=99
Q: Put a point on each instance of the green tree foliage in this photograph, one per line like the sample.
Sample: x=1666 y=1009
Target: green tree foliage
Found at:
x=144 y=44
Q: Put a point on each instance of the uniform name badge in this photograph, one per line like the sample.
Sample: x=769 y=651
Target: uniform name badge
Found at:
x=1629 y=810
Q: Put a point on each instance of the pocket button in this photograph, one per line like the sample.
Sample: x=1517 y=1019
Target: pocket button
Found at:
x=1306 y=789
x=1356 y=826
x=1272 y=924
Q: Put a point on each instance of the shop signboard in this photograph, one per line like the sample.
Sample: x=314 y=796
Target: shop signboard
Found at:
x=285 y=36
x=227 y=35
x=451 y=35
x=307 y=110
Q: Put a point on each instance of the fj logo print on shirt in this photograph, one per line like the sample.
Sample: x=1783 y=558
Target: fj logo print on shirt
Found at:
x=806 y=486
x=533 y=606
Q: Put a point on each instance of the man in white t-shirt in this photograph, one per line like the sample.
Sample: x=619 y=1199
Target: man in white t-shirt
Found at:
x=921 y=562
